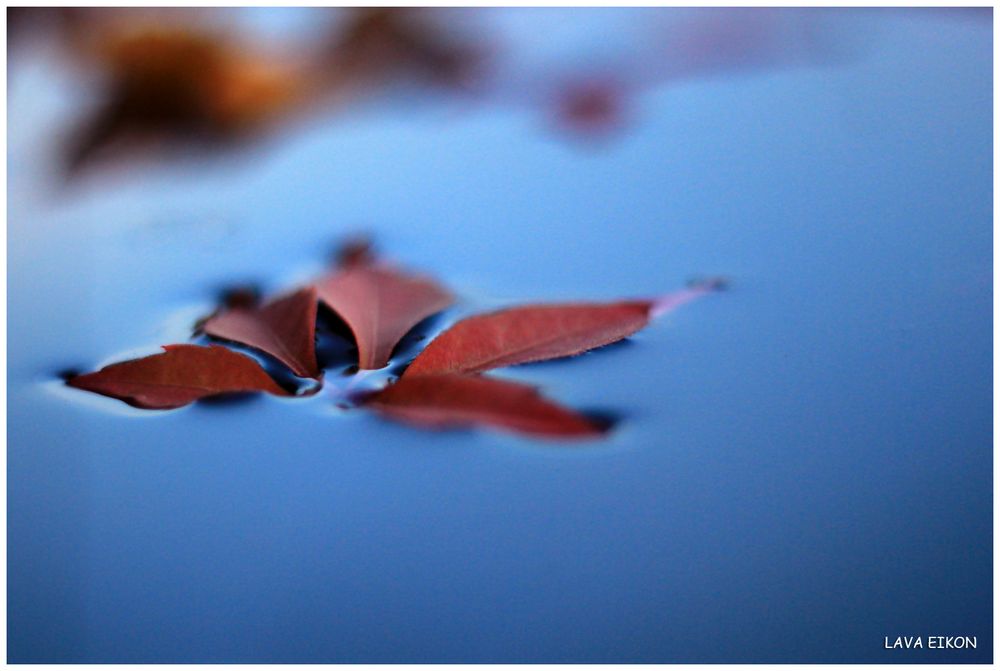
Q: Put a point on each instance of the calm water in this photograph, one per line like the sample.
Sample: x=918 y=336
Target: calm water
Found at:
x=804 y=465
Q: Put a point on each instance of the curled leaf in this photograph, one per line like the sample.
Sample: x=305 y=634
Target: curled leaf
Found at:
x=285 y=328
x=444 y=401
x=380 y=305
x=180 y=375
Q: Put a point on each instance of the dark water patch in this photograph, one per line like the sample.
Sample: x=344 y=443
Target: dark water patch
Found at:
x=604 y=419
x=240 y=295
x=353 y=250
x=243 y=295
x=67 y=374
x=711 y=282
x=335 y=351
x=329 y=322
x=286 y=379
x=228 y=400
x=417 y=338
x=398 y=367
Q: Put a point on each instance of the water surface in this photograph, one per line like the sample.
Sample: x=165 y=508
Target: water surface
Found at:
x=804 y=465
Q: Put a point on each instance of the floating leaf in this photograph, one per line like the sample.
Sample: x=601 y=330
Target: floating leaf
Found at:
x=442 y=387
x=539 y=332
x=528 y=333
x=285 y=328
x=380 y=305
x=443 y=401
x=180 y=375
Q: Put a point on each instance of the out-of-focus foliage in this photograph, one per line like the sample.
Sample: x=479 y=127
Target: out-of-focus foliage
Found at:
x=172 y=79
x=176 y=79
x=172 y=85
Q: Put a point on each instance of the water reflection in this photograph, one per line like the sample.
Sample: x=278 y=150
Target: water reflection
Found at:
x=164 y=83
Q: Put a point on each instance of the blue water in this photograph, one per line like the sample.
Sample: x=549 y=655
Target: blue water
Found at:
x=804 y=465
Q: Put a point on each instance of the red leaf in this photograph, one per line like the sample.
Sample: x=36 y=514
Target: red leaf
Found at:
x=442 y=401
x=380 y=305
x=528 y=333
x=180 y=375
x=285 y=328
x=539 y=332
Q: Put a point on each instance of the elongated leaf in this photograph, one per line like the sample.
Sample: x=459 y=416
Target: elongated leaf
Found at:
x=538 y=332
x=380 y=305
x=442 y=401
x=528 y=333
x=285 y=328
x=180 y=375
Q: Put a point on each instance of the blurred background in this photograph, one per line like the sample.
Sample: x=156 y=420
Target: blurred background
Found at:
x=804 y=463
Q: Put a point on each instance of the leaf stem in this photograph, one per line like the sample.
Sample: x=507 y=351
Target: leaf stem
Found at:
x=695 y=289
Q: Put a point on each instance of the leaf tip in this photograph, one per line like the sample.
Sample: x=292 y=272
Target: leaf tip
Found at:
x=696 y=288
x=357 y=250
x=244 y=296
x=67 y=374
x=603 y=421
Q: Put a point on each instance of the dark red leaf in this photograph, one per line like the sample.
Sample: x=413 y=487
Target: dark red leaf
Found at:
x=538 y=332
x=443 y=401
x=528 y=333
x=285 y=328
x=180 y=375
x=380 y=305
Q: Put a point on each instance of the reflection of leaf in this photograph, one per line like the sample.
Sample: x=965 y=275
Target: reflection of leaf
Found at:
x=170 y=84
x=380 y=305
x=285 y=328
x=176 y=85
x=180 y=375
x=387 y=41
x=442 y=401
x=23 y=20
x=592 y=106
